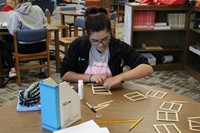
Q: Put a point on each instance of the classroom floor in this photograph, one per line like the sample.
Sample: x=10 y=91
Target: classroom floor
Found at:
x=178 y=81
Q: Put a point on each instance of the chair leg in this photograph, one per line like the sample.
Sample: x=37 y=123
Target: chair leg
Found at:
x=49 y=41
x=113 y=32
x=66 y=47
x=18 y=73
x=70 y=31
x=48 y=67
x=83 y=31
x=118 y=13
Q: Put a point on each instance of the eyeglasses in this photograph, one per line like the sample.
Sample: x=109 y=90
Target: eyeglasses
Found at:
x=103 y=41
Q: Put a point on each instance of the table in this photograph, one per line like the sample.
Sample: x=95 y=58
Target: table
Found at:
x=120 y=108
x=75 y=14
x=52 y=28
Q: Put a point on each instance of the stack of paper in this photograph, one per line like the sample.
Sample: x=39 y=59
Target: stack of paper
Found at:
x=161 y=26
x=86 y=127
x=5 y=18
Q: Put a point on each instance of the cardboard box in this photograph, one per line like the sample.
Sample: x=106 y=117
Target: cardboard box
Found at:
x=60 y=105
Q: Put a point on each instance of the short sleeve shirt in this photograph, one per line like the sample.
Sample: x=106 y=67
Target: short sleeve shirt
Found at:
x=98 y=62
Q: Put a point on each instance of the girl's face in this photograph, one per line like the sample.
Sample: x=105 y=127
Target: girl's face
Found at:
x=100 y=40
x=12 y=3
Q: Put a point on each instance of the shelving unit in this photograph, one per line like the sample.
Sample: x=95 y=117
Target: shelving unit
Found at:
x=173 y=41
x=193 y=51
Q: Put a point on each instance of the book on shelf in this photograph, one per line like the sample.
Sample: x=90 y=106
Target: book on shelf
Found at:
x=176 y=20
x=22 y=108
x=144 y=20
x=162 y=27
x=160 y=24
x=153 y=47
x=181 y=20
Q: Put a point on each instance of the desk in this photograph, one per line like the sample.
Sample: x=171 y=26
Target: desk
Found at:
x=69 y=13
x=52 y=28
x=121 y=108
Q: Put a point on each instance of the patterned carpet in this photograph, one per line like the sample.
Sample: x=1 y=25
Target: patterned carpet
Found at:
x=178 y=81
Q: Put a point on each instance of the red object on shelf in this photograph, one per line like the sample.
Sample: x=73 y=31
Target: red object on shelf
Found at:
x=92 y=3
x=144 y=20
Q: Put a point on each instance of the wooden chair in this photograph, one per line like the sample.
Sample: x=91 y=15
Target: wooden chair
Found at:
x=71 y=22
x=59 y=25
x=31 y=36
x=66 y=41
x=120 y=9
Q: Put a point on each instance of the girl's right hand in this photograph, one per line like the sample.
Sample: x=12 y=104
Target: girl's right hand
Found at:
x=98 y=78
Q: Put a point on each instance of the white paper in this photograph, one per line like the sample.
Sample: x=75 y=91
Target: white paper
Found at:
x=105 y=130
x=5 y=16
x=86 y=127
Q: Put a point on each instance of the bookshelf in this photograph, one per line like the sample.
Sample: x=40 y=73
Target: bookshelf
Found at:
x=192 y=65
x=172 y=37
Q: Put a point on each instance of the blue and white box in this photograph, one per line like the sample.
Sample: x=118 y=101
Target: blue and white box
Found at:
x=60 y=105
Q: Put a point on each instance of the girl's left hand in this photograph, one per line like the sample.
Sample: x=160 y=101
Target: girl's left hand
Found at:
x=112 y=82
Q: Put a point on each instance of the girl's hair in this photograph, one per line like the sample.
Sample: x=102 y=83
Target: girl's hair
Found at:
x=97 y=20
x=94 y=10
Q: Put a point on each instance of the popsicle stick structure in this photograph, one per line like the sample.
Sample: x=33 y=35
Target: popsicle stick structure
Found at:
x=167 y=116
x=99 y=107
x=171 y=106
x=194 y=123
x=179 y=101
x=100 y=90
x=102 y=105
x=156 y=94
x=166 y=128
x=135 y=96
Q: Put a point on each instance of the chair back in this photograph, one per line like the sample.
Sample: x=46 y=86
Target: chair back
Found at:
x=79 y=23
x=31 y=36
x=120 y=9
x=48 y=15
x=69 y=19
x=121 y=2
x=67 y=8
x=113 y=15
